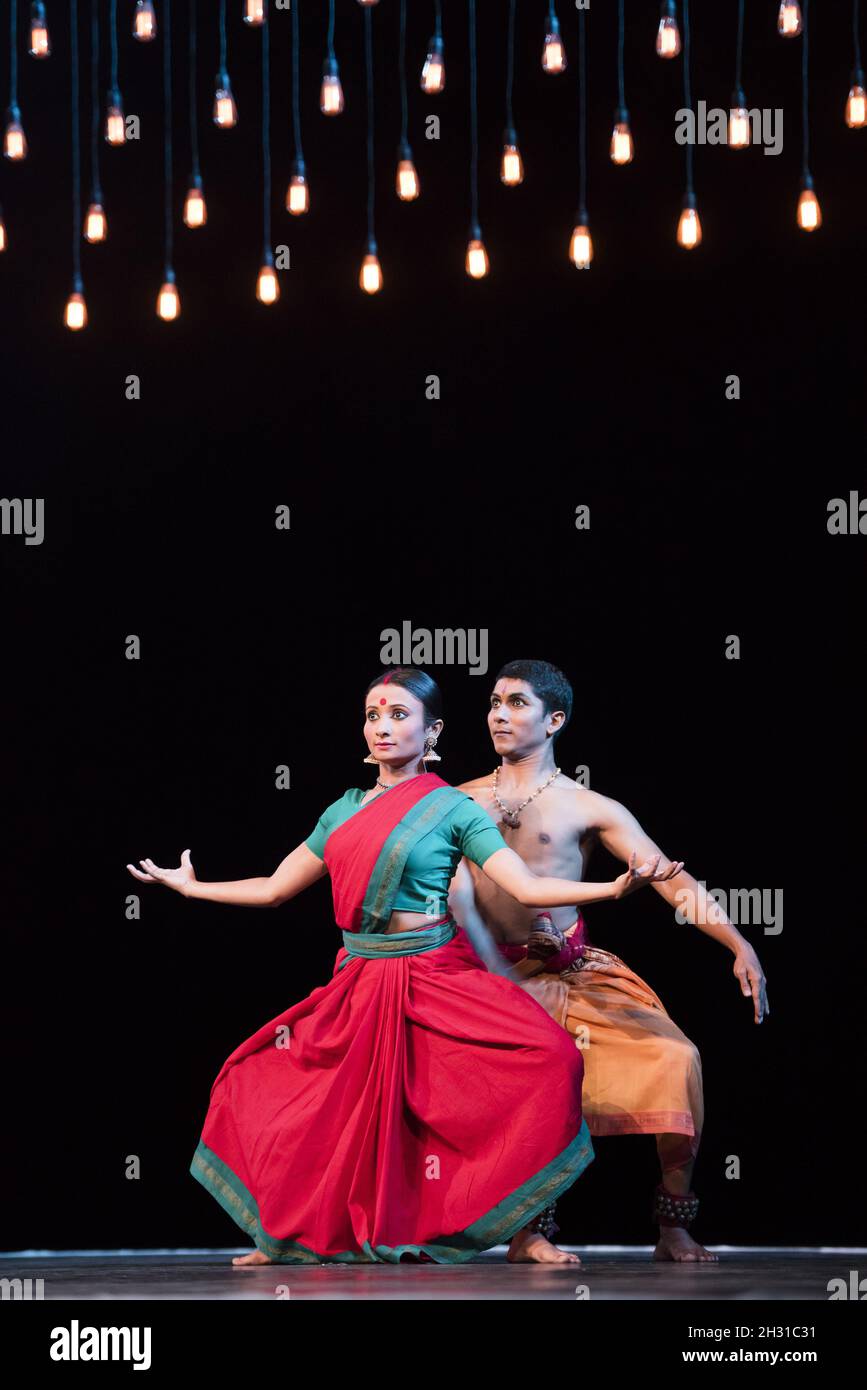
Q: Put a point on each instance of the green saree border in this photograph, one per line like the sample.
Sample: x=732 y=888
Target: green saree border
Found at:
x=496 y=1227
x=392 y=945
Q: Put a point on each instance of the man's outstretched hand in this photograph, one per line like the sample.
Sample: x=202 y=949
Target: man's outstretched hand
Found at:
x=752 y=977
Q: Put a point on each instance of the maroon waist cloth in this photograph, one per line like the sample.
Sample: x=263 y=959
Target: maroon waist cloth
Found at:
x=571 y=952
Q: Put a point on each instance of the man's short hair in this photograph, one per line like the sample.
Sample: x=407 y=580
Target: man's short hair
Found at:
x=548 y=682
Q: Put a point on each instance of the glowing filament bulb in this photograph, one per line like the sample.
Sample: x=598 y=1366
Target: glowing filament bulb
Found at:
x=668 y=34
x=689 y=227
x=331 y=91
x=2 y=232
x=581 y=245
x=433 y=74
x=739 y=122
x=789 y=19
x=168 y=300
x=622 y=149
x=267 y=284
x=809 y=212
x=553 y=53
x=95 y=223
x=370 y=278
x=406 y=180
x=225 y=110
x=75 y=314
x=115 y=125
x=40 y=43
x=15 y=141
x=254 y=12
x=477 y=263
x=195 y=207
x=511 y=164
x=144 y=21
x=856 y=103
x=298 y=195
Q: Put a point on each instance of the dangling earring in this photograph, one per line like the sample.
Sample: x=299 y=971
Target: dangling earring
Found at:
x=428 y=756
x=370 y=759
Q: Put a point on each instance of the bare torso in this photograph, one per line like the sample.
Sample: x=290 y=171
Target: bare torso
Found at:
x=555 y=837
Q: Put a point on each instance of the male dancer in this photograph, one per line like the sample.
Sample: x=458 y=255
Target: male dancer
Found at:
x=641 y=1073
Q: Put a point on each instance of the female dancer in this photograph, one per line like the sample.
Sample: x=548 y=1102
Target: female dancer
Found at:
x=415 y=1105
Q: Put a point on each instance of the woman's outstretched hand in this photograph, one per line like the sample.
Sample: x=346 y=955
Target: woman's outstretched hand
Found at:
x=178 y=879
x=647 y=873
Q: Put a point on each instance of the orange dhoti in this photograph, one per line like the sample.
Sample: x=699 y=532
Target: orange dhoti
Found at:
x=642 y=1075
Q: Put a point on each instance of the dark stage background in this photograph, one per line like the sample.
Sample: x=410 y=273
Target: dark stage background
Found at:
x=708 y=517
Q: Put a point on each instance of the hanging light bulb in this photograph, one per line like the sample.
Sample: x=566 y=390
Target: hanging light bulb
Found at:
x=511 y=163
x=225 y=110
x=267 y=284
x=298 y=192
x=168 y=299
x=40 y=43
x=856 y=102
x=75 y=313
x=370 y=277
x=581 y=242
x=622 y=149
x=553 y=53
x=477 y=264
x=254 y=12
x=115 y=125
x=406 y=181
x=95 y=223
x=14 y=139
x=2 y=232
x=144 y=21
x=331 y=91
x=689 y=224
x=789 y=19
x=668 y=34
x=739 y=122
x=433 y=74
x=809 y=212
x=195 y=207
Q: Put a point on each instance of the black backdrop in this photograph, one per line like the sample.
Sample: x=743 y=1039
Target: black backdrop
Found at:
x=708 y=517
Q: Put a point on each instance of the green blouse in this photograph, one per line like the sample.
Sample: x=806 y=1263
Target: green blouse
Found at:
x=429 y=869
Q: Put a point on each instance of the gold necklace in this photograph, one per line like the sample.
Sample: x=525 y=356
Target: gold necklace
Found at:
x=510 y=818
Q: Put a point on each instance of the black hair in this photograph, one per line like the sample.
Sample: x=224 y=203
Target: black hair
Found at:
x=419 y=683
x=548 y=682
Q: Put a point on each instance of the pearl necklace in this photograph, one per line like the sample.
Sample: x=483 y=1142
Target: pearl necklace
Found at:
x=510 y=818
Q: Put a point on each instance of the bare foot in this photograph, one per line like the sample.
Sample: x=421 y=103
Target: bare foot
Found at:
x=675 y=1243
x=531 y=1246
x=254 y=1258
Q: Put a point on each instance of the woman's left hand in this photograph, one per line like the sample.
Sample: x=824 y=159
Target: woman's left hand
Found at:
x=649 y=872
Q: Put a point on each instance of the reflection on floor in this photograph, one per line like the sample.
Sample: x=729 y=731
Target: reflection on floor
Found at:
x=606 y=1272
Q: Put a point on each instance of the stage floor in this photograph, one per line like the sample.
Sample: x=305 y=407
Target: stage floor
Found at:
x=607 y=1273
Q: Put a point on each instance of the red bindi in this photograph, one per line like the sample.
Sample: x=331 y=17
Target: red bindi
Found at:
x=382 y=702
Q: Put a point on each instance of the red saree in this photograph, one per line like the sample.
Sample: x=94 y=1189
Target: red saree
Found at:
x=413 y=1104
